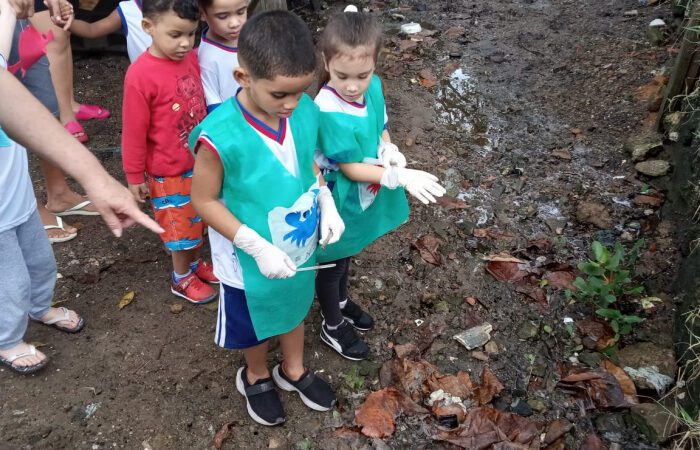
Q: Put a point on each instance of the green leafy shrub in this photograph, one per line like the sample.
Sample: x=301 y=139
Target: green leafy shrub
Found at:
x=608 y=280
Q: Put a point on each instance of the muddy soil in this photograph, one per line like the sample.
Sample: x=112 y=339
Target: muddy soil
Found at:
x=519 y=80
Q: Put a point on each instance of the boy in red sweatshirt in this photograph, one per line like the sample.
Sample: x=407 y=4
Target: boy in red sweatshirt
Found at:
x=163 y=102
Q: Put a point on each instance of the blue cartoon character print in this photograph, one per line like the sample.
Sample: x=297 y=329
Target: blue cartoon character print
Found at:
x=305 y=224
x=295 y=230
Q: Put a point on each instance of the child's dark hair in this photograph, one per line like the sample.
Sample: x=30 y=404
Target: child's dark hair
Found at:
x=185 y=9
x=350 y=29
x=276 y=43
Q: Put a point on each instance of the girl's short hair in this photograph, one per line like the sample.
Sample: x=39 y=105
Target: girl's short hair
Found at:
x=351 y=29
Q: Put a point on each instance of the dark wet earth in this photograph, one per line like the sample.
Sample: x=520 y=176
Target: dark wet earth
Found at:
x=521 y=108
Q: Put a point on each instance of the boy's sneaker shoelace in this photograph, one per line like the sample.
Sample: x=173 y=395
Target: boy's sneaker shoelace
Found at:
x=263 y=402
x=356 y=316
x=192 y=289
x=205 y=272
x=314 y=392
x=345 y=341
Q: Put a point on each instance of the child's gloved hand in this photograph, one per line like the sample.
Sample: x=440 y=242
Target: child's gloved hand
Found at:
x=332 y=226
x=422 y=185
x=272 y=262
x=389 y=155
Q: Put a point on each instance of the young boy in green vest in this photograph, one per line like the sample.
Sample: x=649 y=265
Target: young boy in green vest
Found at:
x=256 y=150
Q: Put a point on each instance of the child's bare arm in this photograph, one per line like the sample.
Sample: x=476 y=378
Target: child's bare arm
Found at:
x=362 y=173
x=206 y=185
x=101 y=28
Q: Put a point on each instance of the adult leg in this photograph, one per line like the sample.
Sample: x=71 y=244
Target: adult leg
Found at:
x=61 y=59
x=15 y=294
x=41 y=267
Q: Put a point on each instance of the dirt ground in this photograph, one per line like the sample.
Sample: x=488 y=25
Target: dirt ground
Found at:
x=518 y=80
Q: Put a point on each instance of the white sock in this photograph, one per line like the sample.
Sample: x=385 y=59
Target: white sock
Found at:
x=334 y=327
x=177 y=277
x=343 y=303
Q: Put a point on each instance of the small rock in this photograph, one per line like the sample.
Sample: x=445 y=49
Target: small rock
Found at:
x=645 y=145
x=631 y=13
x=653 y=168
x=274 y=443
x=491 y=348
x=594 y=213
x=609 y=424
x=474 y=337
x=647 y=200
x=655 y=32
x=650 y=378
x=528 y=330
x=562 y=153
x=176 y=308
x=650 y=366
x=521 y=408
x=481 y=356
x=537 y=404
x=591 y=359
x=452 y=182
x=556 y=225
x=654 y=421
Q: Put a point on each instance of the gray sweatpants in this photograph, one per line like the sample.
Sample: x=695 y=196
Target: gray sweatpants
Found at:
x=29 y=275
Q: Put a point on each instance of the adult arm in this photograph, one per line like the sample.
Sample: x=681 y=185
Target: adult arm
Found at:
x=48 y=139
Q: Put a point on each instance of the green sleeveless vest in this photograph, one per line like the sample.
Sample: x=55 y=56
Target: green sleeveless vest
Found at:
x=282 y=208
x=368 y=210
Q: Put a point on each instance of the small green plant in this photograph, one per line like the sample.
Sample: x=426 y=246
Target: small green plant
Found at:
x=353 y=379
x=607 y=280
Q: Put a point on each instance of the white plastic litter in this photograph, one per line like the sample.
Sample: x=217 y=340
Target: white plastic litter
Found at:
x=411 y=28
x=657 y=23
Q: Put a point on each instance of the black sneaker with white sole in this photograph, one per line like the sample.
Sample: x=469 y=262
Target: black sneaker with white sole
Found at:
x=314 y=392
x=356 y=316
x=262 y=399
x=345 y=341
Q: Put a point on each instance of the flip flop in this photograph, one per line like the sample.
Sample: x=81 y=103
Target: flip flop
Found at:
x=77 y=131
x=24 y=370
x=77 y=210
x=89 y=112
x=60 y=226
x=66 y=316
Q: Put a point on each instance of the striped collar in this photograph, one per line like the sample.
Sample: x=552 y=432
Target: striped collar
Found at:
x=223 y=47
x=257 y=124
x=355 y=104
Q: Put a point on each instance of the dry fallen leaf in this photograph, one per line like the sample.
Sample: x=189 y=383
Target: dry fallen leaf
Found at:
x=450 y=203
x=626 y=383
x=489 y=388
x=561 y=279
x=593 y=442
x=506 y=270
x=376 y=415
x=427 y=78
x=427 y=246
x=598 y=331
x=596 y=388
x=223 y=434
x=126 y=299
x=488 y=428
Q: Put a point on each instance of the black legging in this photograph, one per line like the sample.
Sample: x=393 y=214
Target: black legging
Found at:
x=331 y=289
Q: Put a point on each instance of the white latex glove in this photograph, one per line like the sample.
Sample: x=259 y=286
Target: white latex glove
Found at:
x=272 y=262
x=422 y=185
x=390 y=155
x=332 y=226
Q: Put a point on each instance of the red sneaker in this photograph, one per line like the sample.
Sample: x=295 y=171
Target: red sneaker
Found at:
x=194 y=290
x=205 y=272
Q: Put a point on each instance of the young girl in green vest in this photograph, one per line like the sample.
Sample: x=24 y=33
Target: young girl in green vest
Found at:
x=367 y=172
x=256 y=149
